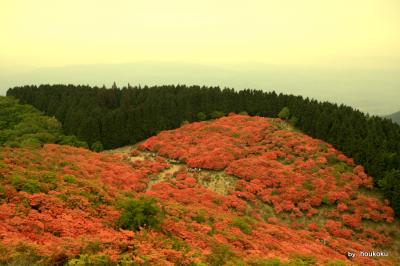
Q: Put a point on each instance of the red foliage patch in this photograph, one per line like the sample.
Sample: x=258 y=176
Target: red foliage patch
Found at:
x=60 y=199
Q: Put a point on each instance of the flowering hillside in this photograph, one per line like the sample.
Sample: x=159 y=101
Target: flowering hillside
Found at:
x=239 y=190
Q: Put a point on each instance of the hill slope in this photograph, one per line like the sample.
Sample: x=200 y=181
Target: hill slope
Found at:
x=395 y=117
x=239 y=190
x=115 y=117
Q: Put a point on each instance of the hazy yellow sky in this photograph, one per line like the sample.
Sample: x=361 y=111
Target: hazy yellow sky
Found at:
x=344 y=51
x=46 y=33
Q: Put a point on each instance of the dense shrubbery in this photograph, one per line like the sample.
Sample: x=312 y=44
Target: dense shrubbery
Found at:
x=143 y=212
x=243 y=224
x=97 y=146
x=303 y=179
x=86 y=260
x=24 y=126
x=60 y=201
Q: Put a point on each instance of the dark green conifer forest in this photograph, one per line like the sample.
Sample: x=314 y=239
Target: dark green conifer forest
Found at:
x=115 y=117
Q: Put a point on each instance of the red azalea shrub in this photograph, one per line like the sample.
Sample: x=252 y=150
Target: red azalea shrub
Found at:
x=342 y=207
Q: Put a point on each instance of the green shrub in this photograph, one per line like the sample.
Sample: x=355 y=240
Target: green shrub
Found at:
x=49 y=177
x=92 y=248
x=200 y=217
x=325 y=200
x=140 y=213
x=242 y=224
x=341 y=167
x=267 y=262
x=86 y=260
x=23 y=184
x=219 y=255
x=323 y=148
x=70 y=179
x=217 y=114
x=308 y=185
x=335 y=263
x=211 y=232
x=31 y=186
x=284 y=113
x=25 y=255
x=302 y=260
x=94 y=197
x=13 y=144
x=201 y=116
x=16 y=182
x=179 y=245
x=64 y=197
x=47 y=137
x=126 y=260
x=31 y=143
x=97 y=146
x=235 y=135
x=184 y=122
x=332 y=159
x=72 y=141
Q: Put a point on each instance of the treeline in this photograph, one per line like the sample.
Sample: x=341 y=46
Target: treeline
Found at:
x=22 y=125
x=117 y=117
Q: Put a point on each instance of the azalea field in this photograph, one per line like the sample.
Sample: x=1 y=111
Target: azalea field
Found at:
x=238 y=190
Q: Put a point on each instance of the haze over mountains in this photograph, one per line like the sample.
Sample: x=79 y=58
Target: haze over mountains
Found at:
x=395 y=117
x=372 y=90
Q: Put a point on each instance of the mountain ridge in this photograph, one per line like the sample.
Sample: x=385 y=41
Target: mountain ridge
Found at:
x=335 y=84
x=395 y=117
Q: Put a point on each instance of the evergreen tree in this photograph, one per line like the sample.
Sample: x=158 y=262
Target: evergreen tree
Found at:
x=390 y=185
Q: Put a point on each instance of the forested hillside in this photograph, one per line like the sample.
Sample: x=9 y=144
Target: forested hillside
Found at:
x=22 y=125
x=117 y=117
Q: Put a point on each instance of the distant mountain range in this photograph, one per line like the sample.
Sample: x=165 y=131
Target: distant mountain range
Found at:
x=370 y=90
x=395 y=117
